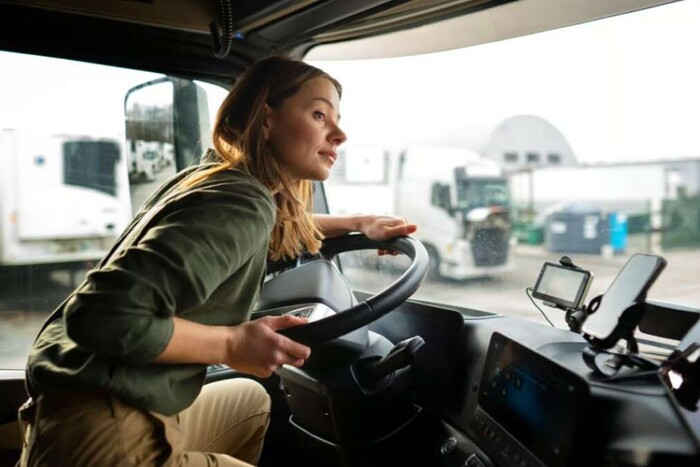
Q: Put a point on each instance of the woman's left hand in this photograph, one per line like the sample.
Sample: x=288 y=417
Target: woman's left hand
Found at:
x=386 y=227
x=375 y=227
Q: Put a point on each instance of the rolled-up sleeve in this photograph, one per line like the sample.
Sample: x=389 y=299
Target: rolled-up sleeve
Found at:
x=125 y=310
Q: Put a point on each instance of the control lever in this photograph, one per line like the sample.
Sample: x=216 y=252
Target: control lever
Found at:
x=374 y=374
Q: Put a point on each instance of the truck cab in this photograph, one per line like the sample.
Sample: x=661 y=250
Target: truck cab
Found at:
x=461 y=201
x=445 y=373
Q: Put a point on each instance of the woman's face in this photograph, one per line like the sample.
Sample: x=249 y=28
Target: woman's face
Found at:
x=304 y=131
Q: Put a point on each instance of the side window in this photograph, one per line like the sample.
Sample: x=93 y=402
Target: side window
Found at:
x=510 y=157
x=554 y=158
x=73 y=173
x=440 y=196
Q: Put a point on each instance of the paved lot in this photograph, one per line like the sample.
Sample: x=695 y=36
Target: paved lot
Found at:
x=21 y=314
x=680 y=283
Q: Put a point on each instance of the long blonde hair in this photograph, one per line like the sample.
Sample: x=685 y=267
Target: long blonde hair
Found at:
x=239 y=140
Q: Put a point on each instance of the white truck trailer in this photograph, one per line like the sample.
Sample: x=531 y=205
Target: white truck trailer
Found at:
x=82 y=207
x=459 y=200
x=621 y=188
x=618 y=187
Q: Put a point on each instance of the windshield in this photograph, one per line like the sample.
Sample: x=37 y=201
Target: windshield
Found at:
x=593 y=128
x=481 y=193
x=580 y=141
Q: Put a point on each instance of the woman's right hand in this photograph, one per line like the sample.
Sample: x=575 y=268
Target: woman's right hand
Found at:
x=255 y=348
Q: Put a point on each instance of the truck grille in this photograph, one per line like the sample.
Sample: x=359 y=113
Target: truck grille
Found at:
x=490 y=247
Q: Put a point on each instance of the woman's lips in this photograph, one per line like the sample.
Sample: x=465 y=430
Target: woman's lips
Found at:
x=330 y=155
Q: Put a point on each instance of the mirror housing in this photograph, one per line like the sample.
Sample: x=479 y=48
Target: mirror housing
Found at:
x=160 y=111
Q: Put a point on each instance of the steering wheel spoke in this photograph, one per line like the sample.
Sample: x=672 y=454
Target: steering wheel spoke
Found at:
x=325 y=326
x=313 y=312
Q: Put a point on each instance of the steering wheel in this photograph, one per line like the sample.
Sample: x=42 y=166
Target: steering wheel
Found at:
x=374 y=307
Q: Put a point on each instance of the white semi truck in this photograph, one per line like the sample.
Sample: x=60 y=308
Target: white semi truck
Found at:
x=82 y=207
x=459 y=200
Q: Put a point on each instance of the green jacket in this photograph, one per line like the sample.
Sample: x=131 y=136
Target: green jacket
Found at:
x=200 y=254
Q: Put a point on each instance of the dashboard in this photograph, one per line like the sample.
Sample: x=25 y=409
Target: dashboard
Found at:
x=528 y=399
x=489 y=390
x=516 y=393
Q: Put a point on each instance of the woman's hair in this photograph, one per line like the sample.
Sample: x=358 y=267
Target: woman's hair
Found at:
x=239 y=140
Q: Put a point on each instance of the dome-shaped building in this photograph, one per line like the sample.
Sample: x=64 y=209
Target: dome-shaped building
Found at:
x=515 y=143
x=527 y=141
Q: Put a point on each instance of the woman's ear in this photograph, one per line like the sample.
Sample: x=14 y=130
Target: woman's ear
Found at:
x=267 y=123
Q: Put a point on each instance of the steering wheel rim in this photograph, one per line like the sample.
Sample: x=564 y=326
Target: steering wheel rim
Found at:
x=377 y=305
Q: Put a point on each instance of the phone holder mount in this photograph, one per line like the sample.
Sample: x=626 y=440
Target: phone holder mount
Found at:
x=624 y=330
x=617 y=315
x=626 y=324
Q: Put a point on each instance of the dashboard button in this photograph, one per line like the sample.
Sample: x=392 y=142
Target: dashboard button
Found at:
x=473 y=461
x=448 y=446
x=505 y=449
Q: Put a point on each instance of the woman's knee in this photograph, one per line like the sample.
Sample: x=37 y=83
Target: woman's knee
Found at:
x=241 y=395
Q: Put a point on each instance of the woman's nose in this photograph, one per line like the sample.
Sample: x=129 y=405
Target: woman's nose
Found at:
x=338 y=136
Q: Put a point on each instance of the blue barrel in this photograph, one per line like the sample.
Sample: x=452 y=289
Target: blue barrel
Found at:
x=617 y=228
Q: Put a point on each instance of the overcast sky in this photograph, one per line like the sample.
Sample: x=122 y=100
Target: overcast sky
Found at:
x=40 y=94
x=624 y=88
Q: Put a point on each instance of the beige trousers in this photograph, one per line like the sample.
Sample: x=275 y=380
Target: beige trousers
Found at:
x=225 y=426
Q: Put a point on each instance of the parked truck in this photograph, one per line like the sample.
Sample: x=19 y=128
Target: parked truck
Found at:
x=82 y=207
x=147 y=158
x=459 y=200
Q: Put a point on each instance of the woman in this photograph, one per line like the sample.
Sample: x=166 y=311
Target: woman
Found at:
x=116 y=373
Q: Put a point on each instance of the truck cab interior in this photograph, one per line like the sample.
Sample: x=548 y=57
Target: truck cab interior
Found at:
x=584 y=351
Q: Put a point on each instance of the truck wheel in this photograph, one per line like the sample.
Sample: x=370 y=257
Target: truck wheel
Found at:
x=434 y=267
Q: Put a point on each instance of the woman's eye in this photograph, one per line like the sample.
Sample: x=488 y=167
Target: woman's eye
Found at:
x=318 y=115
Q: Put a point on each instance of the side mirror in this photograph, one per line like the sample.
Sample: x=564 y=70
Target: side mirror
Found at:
x=148 y=110
x=170 y=110
x=167 y=129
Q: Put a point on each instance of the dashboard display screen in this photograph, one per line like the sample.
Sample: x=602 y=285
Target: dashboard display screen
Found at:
x=535 y=400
